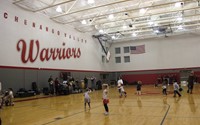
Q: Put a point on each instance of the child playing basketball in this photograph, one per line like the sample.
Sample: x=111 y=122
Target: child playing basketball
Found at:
x=164 y=87
x=121 y=87
x=119 y=84
x=176 y=89
x=105 y=98
x=139 y=86
x=122 y=91
x=87 y=98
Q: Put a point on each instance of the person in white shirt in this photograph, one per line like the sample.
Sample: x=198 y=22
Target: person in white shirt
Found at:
x=87 y=98
x=164 y=87
x=176 y=89
x=120 y=87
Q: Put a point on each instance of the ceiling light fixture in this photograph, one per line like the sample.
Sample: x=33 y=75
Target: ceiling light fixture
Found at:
x=134 y=34
x=100 y=31
x=179 y=18
x=179 y=4
x=124 y=26
x=156 y=31
x=111 y=16
x=90 y=1
x=155 y=24
x=142 y=10
x=150 y=23
x=180 y=27
x=83 y=22
x=113 y=37
x=59 y=9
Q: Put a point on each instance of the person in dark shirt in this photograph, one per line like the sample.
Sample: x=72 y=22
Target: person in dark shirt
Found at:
x=51 y=84
x=191 y=80
x=139 y=86
x=57 y=84
x=86 y=82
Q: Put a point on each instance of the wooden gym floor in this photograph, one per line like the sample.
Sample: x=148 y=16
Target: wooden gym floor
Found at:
x=151 y=108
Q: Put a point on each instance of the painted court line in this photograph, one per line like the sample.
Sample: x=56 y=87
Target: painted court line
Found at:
x=165 y=115
x=69 y=116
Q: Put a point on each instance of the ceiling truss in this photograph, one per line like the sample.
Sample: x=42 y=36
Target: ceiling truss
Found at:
x=127 y=18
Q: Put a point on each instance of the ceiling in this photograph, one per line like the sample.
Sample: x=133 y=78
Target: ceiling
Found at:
x=121 y=20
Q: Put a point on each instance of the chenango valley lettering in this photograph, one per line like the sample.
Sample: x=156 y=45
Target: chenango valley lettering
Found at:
x=45 y=54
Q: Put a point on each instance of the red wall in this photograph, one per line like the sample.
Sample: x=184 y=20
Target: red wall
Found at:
x=197 y=74
x=146 y=78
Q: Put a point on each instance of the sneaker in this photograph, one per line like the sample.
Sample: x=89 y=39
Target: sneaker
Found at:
x=106 y=113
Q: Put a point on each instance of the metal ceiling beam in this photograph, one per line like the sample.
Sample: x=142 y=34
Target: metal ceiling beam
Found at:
x=64 y=14
x=136 y=9
x=54 y=5
x=150 y=27
x=149 y=30
x=144 y=22
x=140 y=36
x=17 y=1
x=142 y=16
x=71 y=6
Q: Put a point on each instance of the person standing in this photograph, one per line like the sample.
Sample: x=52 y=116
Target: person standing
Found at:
x=191 y=80
x=123 y=92
x=139 y=86
x=93 y=83
x=0 y=87
x=164 y=87
x=86 y=82
x=51 y=86
x=87 y=98
x=105 y=98
x=57 y=85
x=119 y=84
x=176 y=89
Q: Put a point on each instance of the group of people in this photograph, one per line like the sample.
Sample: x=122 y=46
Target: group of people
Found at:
x=120 y=86
x=170 y=78
x=177 y=88
x=95 y=84
x=53 y=85
x=56 y=87
x=104 y=98
x=122 y=92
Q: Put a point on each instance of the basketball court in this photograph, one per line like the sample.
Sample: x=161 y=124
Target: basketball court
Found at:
x=51 y=51
x=151 y=108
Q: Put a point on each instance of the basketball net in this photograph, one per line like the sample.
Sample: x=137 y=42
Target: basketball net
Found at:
x=108 y=56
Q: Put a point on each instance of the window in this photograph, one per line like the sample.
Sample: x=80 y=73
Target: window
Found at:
x=117 y=50
x=118 y=59
x=126 y=49
x=126 y=59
